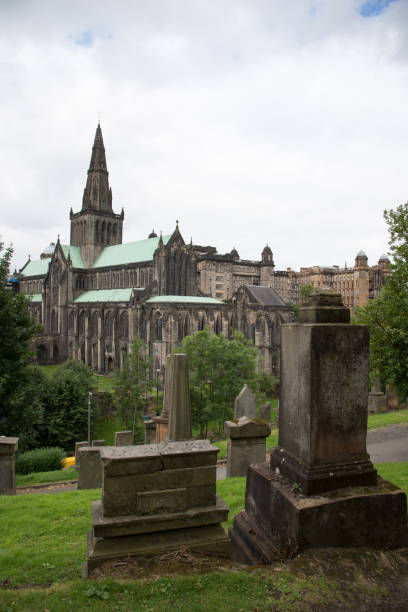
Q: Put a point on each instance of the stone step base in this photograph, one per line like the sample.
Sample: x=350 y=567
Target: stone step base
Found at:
x=278 y=522
x=210 y=539
x=108 y=527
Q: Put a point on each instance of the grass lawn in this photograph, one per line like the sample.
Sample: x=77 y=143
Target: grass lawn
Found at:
x=43 y=543
x=102 y=383
x=24 y=480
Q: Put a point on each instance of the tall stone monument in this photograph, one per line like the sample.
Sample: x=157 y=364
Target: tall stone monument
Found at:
x=320 y=488
x=159 y=497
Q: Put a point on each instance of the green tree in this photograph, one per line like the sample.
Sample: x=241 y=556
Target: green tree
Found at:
x=16 y=331
x=65 y=414
x=131 y=387
x=305 y=291
x=387 y=315
x=218 y=370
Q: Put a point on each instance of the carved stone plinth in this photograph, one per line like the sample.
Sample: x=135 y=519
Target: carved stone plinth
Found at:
x=280 y=522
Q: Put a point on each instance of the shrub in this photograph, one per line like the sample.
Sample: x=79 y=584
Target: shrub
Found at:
x=40 y=460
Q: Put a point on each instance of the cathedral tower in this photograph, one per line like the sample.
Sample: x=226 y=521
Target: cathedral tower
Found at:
x=96 y=225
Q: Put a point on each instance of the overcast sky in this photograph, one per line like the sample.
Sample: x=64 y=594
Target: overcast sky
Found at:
x=250 y=121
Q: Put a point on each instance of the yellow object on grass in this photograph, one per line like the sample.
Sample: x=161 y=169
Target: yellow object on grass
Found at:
x=68 y=462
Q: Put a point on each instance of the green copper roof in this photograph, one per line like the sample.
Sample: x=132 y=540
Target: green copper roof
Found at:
x=35 y=297
x=38 y=267
x=75 y=255
x=106 y=295
x=131 y=252
x=189 y=299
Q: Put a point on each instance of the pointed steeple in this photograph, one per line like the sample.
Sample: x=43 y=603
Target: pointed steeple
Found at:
x=97 y=193
x=98 y=159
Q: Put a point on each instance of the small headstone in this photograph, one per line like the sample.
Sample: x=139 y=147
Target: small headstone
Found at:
x=265 y=412
x=8 y=447
x=90 y=468
x=178 y=399
x=123 y=438
x=78 y=445
x=245 y=404
x=98 y=442
x=246 y=444
x=376 y=399
x=392 y=398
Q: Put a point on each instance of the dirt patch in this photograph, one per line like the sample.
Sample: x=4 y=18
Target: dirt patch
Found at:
x=320 y=580
x=52 y=487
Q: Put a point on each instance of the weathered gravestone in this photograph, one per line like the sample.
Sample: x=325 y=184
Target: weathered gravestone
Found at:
x=245 y=404
x=392 y=397
x=98 y=442
x=320 y=488
x=78 y=445
x=8 y=447
x=159 y=497
x=376 y=399
x=246 y=444
x=265 y=412
x=123 y=438
x=90 y=467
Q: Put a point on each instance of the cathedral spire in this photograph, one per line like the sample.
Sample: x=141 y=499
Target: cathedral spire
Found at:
x=97 y=193
x=98 y=159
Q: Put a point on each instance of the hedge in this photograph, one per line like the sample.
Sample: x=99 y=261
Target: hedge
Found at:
x=40 y=460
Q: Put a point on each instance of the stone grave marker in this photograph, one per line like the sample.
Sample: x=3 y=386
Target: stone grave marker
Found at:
x=157 y=498
x=78 y=445
x=246 y=444
x=320 y=488
x=8 y=447
x=98 y=442
x=123 y=438
x=245 y=404
x=265 y=412
x=178 y=399
x=392 y=397
x=376 y=399
x=90 y=467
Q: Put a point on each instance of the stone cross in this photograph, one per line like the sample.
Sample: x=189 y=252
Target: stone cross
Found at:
x=245 y=404
x=178 y=398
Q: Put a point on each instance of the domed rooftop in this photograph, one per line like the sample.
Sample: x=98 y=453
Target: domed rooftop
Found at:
x=361 y=254
x=152 y=234
x=267 y=250
x=384 y=257
x=234 y=253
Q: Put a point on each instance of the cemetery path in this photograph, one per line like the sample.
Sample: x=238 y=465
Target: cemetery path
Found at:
x=388 y=444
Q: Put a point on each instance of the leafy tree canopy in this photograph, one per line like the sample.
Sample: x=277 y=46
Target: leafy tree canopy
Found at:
x=387 y=315
x=16 y=332
x=218 y=370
